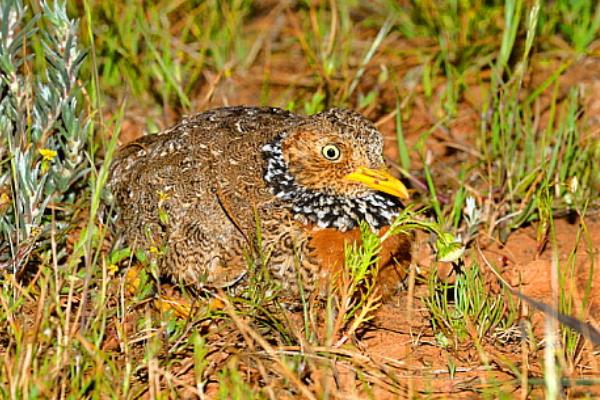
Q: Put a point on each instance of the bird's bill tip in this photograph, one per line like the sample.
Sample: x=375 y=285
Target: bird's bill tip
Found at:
x=379 y=179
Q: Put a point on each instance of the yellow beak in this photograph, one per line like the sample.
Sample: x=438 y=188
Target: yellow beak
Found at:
x=379 y=179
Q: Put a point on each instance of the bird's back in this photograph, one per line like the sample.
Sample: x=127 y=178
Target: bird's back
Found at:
x=189 y=191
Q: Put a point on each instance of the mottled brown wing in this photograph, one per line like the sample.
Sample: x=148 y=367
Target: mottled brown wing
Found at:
x=191 y=191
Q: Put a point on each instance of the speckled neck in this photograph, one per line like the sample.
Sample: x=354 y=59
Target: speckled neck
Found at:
x=325 y=210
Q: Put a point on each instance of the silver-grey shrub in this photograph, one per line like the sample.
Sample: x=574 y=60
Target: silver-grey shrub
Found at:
x=43 y=132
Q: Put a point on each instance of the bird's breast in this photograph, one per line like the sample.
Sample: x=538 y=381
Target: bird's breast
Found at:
x=327 y=247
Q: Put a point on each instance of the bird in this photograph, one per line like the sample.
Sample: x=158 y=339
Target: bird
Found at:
x=221 y=185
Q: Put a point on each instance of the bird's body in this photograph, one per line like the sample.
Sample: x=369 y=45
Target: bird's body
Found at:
x=197 y=192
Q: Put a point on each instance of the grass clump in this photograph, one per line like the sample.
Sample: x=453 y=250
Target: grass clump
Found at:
x=162 y=51
x=533 y=171
x=466 y=309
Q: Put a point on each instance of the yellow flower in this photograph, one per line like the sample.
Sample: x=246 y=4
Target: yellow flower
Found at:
x=4 y=202
x=112 y=269
x=162 y=197
x=47 y=154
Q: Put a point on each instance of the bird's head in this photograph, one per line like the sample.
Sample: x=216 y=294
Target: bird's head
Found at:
x=330 y=170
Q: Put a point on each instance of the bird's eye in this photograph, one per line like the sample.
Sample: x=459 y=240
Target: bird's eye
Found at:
x=331 y=152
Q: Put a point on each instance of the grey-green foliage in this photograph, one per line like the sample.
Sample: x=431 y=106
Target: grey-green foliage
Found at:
x=43 y=133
